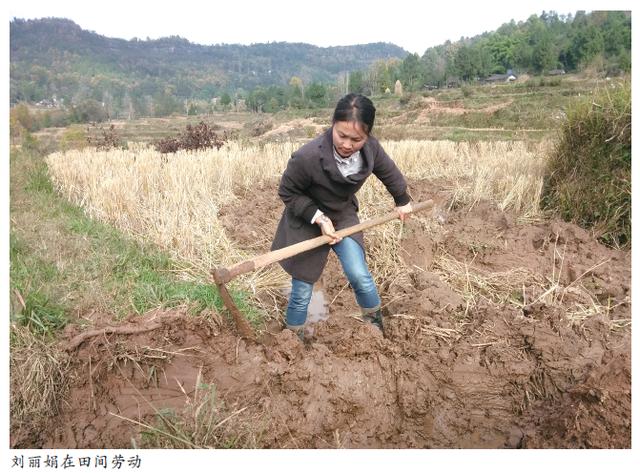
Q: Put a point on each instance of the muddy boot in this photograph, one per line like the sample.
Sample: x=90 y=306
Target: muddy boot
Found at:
x=298 y=330
x=374 y=318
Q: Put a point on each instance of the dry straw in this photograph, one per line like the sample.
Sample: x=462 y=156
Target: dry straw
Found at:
x=204 y=422
x=174 y=200
x=39 y=376
x=474 y=283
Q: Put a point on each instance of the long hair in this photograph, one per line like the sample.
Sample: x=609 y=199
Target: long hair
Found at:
x=356 y=108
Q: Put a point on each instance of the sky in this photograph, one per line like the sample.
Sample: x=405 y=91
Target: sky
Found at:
x=322 y=23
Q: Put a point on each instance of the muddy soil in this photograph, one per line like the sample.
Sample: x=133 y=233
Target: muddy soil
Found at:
x=529 y=367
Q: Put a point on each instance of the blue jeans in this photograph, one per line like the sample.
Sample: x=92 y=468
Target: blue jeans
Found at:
x=351 y=256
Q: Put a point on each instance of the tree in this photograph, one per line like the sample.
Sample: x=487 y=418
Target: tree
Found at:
x=257 y=99
x=464 y=63
x=522 y=51
x=166 y=103
x=317 y=94
x=272 y=105
x=278 y=97
x=21 y=117
x=88 y=111
x=434 y=62
x=225 y=100
x=483 y=60
x=586 y=39
x=501 y=48
x=296 y=92
x=616 y=31
x=356 y=82
x=543 y=55
x=378 y=77
x=297 y=87
x=411 y=73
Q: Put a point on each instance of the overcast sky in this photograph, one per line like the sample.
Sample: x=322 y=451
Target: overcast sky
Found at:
x=319 y=22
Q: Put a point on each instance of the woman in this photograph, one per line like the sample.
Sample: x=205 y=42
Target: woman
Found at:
x=318 y=189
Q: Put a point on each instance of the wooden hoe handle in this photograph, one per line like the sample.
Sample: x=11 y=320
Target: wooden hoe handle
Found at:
x=224 y=275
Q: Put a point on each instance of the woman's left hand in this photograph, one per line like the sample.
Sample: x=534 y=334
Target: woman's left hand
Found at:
x=404 y=211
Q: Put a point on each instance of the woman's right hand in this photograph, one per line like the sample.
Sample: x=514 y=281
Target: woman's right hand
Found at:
x=326 y=225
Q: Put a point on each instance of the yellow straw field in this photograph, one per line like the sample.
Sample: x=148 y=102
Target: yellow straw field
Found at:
x=174 y=200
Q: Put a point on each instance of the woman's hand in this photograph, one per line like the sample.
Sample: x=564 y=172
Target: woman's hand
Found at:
x=326 y=225
x=404 y=211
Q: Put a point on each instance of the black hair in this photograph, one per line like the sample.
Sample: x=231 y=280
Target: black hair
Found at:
x=356 y=108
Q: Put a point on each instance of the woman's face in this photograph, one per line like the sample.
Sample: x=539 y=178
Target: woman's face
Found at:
x=348 y=137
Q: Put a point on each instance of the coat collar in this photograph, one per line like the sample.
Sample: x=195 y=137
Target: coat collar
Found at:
x=329 y=165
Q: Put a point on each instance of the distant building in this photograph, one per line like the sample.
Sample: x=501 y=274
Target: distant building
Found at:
x=453 y=82
x=50 y=103
x=509 y=77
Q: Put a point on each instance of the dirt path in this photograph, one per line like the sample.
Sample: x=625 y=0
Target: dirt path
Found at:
x=541 y=360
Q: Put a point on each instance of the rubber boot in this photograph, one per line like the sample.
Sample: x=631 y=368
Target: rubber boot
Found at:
x=298 y=330
x=374 y=318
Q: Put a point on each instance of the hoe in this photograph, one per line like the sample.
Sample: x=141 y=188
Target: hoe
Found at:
x=221 y=276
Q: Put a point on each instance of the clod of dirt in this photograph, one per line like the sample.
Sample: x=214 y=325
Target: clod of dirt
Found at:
x=498 y=335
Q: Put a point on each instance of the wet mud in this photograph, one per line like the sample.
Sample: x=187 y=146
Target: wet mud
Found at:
x=538 y=358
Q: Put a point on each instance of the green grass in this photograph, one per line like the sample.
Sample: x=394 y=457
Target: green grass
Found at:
x=532 y=109
x=30 y=277
x=39 y=181
x=588 y=180
x=65 y=265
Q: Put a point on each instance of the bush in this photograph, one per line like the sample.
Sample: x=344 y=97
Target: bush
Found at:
x=588 y=180
x=21 y=118
x=103 y=138
x=88 y=111
x=201 y=136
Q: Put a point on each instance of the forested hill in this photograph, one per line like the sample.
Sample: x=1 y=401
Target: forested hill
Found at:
x=57 y=57
x=62 y=67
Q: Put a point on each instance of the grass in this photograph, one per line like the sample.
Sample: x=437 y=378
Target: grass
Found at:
x=173 y=202
x=65 y=265
x=38 y=376
x=30 y=275
x=457 y=133
x=589 y=173
x=529 y=109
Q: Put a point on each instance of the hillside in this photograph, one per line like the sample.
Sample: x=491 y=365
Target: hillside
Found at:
x=79 y=76
x=55 y=56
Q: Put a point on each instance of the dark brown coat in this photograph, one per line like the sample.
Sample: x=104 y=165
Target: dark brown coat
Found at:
x=312 y=181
